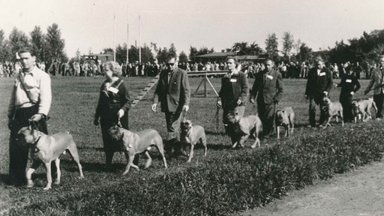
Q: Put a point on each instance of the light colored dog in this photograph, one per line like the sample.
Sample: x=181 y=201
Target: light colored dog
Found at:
x=244 y=127
x=137 y=143
x=363 y=108
x=333 y=109
x=192 y=134
x=48 y=148
x=285 y=118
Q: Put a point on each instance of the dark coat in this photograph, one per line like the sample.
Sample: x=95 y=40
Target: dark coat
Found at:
x=318 y=83
x=233 y=88
x=348 y=84
x=175 y=94
x=268 y=87
x=111 y=102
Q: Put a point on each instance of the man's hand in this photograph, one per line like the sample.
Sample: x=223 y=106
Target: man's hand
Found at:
x=96 y=121
x=325 y=93
x=36 y=117
x=154 y=107
x=120 y=114
x=239 y=102
x=352 y=93
x=219 y=104
x=252 y=100
x=185 y=108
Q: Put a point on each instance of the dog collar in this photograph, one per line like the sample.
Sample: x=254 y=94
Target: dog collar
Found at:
x=35 y=149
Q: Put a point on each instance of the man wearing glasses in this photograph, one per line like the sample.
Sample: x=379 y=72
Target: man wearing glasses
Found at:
x=173 y=94
x=267 y=90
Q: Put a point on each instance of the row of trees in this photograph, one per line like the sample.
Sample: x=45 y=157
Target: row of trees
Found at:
x=364 y=49
x=48 y=46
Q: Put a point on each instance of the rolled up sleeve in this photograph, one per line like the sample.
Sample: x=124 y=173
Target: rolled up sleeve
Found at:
x=45 y=98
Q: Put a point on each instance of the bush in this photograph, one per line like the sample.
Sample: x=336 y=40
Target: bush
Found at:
x=232 y=181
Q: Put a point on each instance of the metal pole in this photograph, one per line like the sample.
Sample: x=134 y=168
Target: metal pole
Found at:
x=139 y=42
x=113 y=41
x=127 y=44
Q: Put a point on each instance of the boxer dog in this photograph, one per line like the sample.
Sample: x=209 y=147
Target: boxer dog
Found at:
x=333 y=109
x=192 y=134
x=363 y=108
x=48 y=148
x=137 y=143
x=285 y=118
x=244 y=127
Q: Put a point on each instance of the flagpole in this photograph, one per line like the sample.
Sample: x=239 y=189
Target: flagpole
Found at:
x=113 y=42
x=127 y=44
x=139 y=42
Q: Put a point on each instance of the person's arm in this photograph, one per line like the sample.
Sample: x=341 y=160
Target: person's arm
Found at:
x=255 y=85
x=371 y=82
x=157 y=90
x=329 y=81
x=126 y=99
x=244 y=88
x=186 y=88
x=309 y=84
x=45 y=96
x=357 y=85
x=279 y=87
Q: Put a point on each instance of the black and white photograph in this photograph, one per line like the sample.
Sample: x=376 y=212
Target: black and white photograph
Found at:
x=192 y=107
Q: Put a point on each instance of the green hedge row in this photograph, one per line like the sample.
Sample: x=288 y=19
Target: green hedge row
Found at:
x=231 y=181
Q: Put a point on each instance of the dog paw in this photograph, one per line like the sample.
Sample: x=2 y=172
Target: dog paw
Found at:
x=81 y=177
x=47 y=188
x=30 y=185
x=57 y=182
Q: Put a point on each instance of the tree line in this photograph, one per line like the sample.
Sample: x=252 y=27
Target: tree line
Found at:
x=48 y=46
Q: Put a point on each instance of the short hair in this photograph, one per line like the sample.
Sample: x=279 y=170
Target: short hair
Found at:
x=232 y=57
x=114 y=67
x=27 y=49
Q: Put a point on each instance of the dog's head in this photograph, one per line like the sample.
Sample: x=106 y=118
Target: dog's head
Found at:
x=326 y=100
x=355 y=106
x=115 y=132
x=281 y=117
x=185 y=126
x=28 y=135
x=233 y=118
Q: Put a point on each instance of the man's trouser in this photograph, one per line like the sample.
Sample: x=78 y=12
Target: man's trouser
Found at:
x=266 y=114
x=346 y=102
x=379 y=98
x=18 y=151
x=313 y=103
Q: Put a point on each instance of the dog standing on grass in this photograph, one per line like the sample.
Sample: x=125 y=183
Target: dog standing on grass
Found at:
x=333 y=109
x=285 y=118
x=192 y=134
x=243 y=127
x=363 y=107
x=136 y=143
x=48 y=148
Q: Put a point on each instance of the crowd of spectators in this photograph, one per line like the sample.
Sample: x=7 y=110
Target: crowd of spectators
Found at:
x=288 y=69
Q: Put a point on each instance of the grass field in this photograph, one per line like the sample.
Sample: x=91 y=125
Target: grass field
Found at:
x=73 y=109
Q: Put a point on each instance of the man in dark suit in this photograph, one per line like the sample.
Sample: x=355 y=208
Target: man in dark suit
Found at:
x=233 y=92
x=377 y=85
x=173 y=94
x=268 y=88
x=319 y=85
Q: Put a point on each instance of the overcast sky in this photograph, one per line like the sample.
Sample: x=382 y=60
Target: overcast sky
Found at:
x=89 y=24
